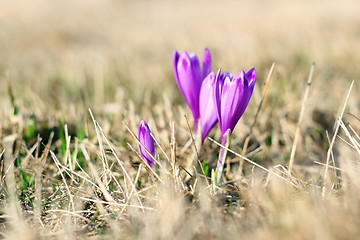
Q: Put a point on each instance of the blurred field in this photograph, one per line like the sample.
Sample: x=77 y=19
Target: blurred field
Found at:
x=65 y=178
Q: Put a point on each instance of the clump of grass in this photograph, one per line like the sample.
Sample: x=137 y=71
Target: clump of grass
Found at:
x=95 y=186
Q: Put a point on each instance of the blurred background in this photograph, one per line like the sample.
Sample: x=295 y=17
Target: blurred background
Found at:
x=71 y=55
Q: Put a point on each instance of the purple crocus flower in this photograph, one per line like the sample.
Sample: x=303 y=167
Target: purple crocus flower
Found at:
x=208 y=113
x=147 y=141
x=232 y=95
x=189 y=77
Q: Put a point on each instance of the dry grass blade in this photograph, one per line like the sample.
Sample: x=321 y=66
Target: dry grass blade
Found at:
x=264 y=94
x=79 y=175
x=354 y=144
x=57 y=163
x=333 y=167
x=94 y=173
x=75 y=213
x=116 y=204
x=301 y=115
x=329 y=152
x=148 y=168
x=101 y=146
x=159 y=146
x=132 y=191
x=252 y=162
x=2 y=169
x=127 y=176
x=196 y=152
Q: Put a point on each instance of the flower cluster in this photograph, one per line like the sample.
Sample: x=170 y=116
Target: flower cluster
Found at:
x=212 y=98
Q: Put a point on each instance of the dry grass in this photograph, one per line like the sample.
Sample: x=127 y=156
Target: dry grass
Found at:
x=66 y=175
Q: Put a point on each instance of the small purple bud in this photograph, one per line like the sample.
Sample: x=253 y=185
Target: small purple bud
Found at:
x=146 y=139
x=189 y=77
x=231 y=96
x=208 y=114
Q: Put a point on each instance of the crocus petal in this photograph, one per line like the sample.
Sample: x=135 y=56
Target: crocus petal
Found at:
x=196 y=71
x=242 y=100
x=189 y=81
x=249 y=81
x=206 y=63
x=231 y=96
x=176 y=56
x=208 y=114
x=147 y=141
x=231 y=100
x=217 y=94
x=189 y=77
x=251 y=76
